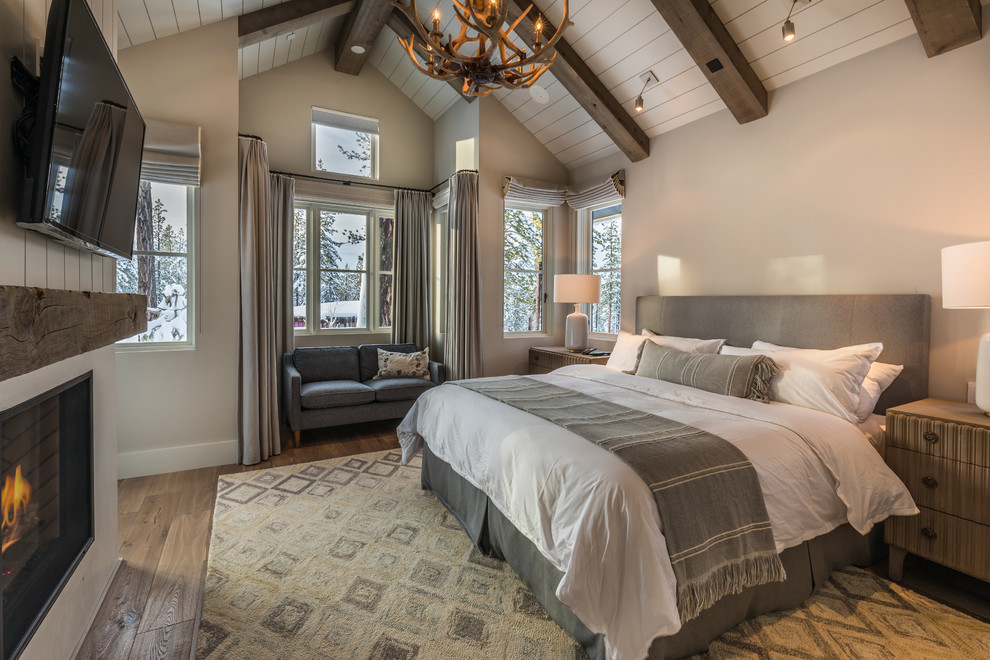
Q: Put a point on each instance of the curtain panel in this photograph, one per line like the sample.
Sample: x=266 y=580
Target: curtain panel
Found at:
x=281 y=214
x=258 y=422
x=411 y=268
x=462 y=352
x=598 y=192
x=172 y=153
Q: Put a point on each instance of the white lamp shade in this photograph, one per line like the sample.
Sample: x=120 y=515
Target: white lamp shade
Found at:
x=966 y=276
x=577 y=288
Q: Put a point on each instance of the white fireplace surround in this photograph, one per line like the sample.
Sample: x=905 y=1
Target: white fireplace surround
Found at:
x=65 y=626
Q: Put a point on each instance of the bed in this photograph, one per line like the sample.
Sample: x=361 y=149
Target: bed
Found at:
x=825 y=487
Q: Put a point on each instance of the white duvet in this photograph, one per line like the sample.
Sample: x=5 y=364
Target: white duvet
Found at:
x=596 y=521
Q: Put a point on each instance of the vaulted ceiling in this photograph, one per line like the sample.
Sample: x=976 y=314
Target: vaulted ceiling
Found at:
x=736 y=54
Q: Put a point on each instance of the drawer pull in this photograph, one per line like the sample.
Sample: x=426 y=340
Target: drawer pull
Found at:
x=930 y=482
x=930 y=436
x=929 y=533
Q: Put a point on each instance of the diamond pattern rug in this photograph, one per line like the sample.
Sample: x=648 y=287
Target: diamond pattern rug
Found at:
x=348 y=559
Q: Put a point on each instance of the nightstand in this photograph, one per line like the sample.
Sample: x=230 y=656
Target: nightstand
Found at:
x=941 y=451
x=544 y=359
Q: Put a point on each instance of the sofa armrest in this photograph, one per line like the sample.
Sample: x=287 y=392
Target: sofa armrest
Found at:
x=292 y=386
x=438 y=372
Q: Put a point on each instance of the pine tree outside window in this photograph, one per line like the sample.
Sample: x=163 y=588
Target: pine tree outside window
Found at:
x=606 y=260
x=524 y=261
x=336 y=285
x=161 y=267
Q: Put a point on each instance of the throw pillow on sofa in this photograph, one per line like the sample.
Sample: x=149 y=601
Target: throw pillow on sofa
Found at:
x=403 y=365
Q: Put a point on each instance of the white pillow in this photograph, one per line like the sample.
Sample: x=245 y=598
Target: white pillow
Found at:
x=625 y=354
x=823 y=380
x=878 y=379
x=685 y=344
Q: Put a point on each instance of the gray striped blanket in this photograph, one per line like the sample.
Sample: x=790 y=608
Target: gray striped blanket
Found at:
x=711 y=506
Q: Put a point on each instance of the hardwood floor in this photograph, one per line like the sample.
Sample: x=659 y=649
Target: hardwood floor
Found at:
x=164 y=524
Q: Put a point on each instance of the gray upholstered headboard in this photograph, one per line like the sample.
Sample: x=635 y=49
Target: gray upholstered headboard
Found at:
x=901 y=322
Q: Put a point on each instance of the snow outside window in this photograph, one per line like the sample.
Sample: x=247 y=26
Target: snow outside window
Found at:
x=160 y=267
x=606 y=260
x=524 y=286
x=336 y=286
x=345 y=144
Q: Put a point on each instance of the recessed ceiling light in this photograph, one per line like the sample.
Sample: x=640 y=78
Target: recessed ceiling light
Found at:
x=357 y=50
x=539 y=94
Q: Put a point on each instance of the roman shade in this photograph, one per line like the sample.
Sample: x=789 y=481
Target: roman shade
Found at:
x=345 y=121
x=172 y=153
x=312 y=189
x=517 y=190
x=598 y=192
x=441 y=197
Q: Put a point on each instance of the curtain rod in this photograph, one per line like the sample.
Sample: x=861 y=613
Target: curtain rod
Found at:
x=347 y=182
x=250 y=137
x=448 y=178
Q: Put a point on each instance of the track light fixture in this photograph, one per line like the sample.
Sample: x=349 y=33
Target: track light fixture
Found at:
x=788 y=29
x=647 y=78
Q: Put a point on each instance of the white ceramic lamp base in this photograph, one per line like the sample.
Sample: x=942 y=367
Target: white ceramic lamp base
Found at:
x=983 y=374
x=576 y=331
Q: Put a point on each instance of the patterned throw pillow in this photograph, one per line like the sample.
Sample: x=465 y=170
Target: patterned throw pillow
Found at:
x=403 y=365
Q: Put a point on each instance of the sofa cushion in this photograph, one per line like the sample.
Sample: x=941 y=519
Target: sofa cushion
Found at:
x=326 y=363
x=369 y=357
x=399 y=389
x=334 y=393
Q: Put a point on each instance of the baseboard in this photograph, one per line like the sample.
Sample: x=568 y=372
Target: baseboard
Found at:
x=173 y=459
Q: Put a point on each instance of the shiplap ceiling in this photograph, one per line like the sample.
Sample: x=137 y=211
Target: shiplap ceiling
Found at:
x=618 y=39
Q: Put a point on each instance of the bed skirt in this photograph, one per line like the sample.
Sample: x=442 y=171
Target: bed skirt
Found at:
x=808 y=566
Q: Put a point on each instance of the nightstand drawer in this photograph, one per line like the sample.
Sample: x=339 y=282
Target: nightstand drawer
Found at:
x=945 y=539
x=943 y=485
x=936 y=437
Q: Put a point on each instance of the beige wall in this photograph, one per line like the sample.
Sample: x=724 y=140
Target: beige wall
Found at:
x=459 y=123
x=178 y=408
x=276 y=105
x=852 y=184
x=507 y=148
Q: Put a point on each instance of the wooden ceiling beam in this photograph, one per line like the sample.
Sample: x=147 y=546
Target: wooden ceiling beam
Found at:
x=399 y=23
x=701 y=32
x=944 y=25
x=256 y=26
x=578 y=79
x=360 y=30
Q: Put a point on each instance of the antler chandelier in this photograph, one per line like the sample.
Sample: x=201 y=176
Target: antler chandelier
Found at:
x=485 y=59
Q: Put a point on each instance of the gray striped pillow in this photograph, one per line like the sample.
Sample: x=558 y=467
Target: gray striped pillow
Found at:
x=746 y=377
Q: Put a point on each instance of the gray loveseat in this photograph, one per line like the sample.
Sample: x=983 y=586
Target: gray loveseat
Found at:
x=334 y=385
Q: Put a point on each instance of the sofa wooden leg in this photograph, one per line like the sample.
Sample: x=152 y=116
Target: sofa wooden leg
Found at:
x=297 y=433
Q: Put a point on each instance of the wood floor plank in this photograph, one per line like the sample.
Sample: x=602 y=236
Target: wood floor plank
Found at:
x=172 y=642
x=175 y=593
x=131 y=493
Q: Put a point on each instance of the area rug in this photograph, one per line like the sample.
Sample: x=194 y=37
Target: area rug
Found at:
x=348 y=559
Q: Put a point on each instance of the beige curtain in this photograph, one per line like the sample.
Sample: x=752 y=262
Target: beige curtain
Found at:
x=462 y=353
x=258 y=421
x=87 y=183
x=411 y=268
x=282 y=211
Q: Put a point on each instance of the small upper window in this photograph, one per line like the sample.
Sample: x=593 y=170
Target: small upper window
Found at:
x=345 y=144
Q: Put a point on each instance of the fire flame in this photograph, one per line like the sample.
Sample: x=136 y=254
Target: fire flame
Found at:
x=15 y=499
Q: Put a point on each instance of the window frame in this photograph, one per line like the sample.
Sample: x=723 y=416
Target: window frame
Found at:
x=192 y=267
x=585 y=262
x=373 y=216
x=545 y=310
x=375 y=147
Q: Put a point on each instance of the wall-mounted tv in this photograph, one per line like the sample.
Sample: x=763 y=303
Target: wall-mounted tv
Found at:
x=85 y=162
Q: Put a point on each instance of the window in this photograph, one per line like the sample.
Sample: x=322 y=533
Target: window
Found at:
x=606 y=260
x=524 y=276
x=331 y=269
x=160 y=268
x=345 y=144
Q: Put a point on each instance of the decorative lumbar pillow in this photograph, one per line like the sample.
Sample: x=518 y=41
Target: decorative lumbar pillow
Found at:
x=746 y=377
x=824 y=380
x=685 y=344
x=625 y=354
x=403 y=365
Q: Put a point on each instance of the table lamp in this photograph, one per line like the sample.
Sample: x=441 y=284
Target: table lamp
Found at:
x=576 y=289
x=966 y=285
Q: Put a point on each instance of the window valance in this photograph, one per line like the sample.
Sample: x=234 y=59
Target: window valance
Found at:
x=313 y=189
x=600 y=192
x=172 y=153
x=517 y=190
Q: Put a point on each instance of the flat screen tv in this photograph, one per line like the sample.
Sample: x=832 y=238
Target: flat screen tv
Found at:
x=85 y=160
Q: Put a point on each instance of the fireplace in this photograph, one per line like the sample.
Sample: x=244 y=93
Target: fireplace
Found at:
x=47 y=504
